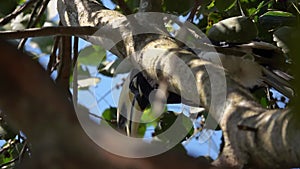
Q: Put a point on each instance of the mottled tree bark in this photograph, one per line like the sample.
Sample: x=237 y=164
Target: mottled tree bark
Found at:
x=254 y=136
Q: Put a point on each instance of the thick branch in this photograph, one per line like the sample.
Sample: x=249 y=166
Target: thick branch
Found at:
x=34 y=104
x=159 y=57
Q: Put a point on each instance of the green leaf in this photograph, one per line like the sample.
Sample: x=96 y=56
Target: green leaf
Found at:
x=110 y=114
x=166 y=121
x=261 y=96
x=15 y=150
x=142 y=129
x=212 y=18
x=5 y=157
x=253 y=11
x=91 y=55
x=239 y=29
x=211 y=5
x=149 y=117
x=278 y=13
x=11 y=150
x=42 y=20
x=264 y=102
x=275 y=19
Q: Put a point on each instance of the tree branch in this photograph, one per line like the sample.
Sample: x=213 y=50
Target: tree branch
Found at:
x=194 y=10
x=51 y=126
x=30 y=22
x=65 y=65
x=49 y=31
x=239 y=106
x=53 y=56
x=16 y=12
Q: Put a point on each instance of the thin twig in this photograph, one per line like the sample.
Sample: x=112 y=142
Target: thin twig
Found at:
x=22 y=152
x=240 y=7
x=53 y=55
x=75 y=71
x=75 y=51
x=64 y=72
x=40 y=13
x=16 y=12
x=35 y=22
x=17 y=158
x=296 y=8
x=109 y=91
x=106 y=94
x=75 y=85
x=194 y=11
x=49 y=31
x=7 y=146
x=34 y=13
x=107 y=102
x=97 y=116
